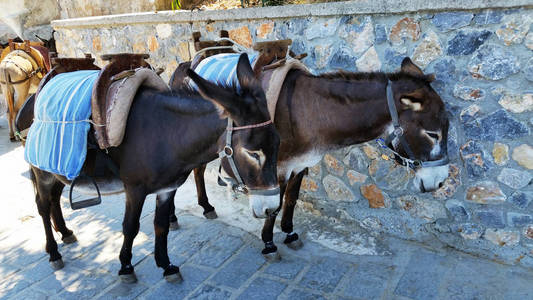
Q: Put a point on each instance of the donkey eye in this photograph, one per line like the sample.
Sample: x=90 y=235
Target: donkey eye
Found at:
x=433 y=135
x=254 y=155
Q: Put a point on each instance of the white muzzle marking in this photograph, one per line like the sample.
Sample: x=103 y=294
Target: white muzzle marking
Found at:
x=262 y=205
x=429 y=178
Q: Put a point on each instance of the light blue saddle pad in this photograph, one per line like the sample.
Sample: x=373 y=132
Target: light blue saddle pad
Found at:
x=221 y=69
x=57 y=140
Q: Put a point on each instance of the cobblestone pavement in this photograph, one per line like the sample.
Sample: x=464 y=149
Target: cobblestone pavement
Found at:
x=217 y=260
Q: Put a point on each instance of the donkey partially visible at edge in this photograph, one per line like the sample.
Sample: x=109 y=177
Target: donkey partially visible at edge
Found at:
x=167 y=136
x=316 y=114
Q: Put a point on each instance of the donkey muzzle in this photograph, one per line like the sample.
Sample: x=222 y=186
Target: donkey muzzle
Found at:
x=264 y=203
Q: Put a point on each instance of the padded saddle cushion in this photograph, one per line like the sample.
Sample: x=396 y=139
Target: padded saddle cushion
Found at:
x=120 y=97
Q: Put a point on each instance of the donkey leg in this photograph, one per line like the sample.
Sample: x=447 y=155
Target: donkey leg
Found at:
x=172 y=213
x=67 y=236
x=293 y=190
x=161 y=226
x=135 y=197
x=203 y=201
x=270 y=252
x=43 y=183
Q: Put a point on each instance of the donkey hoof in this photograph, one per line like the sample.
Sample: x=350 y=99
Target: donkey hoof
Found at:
x=12 y=139
x=272 y=257
x=172 y=274
x=211 y=215
x=174 y=226
x=128 y=278
x=292 y=241
x=57 y=264
x=70 y=239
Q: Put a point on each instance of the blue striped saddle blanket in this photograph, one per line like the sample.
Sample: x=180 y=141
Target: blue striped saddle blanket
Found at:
x=221 y=69
x=57 y=139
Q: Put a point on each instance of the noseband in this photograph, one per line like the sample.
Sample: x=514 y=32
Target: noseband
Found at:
x=397 y=133
x=227 y=152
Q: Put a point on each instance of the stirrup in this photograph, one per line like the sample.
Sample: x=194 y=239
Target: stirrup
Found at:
x=87 y=202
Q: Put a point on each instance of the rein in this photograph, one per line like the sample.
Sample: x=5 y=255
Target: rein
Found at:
x=398 y=134
x=227 y=152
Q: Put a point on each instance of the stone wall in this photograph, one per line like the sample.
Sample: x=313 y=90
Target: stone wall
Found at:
x=483 y=61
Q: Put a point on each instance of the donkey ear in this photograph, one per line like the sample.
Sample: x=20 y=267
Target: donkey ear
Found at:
x=245 y=74
x=220 y=97
x=41 y=39
x=409 y=67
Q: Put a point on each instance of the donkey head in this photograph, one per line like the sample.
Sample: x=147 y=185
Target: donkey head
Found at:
x=254 y=150
x=50 y=43
x=423 y=118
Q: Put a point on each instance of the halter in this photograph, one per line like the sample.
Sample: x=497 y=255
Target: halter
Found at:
x=227 y=152
x=397 y=133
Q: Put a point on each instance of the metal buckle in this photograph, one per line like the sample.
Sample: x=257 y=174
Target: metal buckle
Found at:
x=240 y=188
x=398 y=131
x=381 y=143
x=228 y=151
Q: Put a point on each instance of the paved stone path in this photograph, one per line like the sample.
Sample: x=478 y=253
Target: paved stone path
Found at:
x=217 y=260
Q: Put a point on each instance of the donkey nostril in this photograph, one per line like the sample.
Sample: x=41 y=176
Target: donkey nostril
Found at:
x=441 y=185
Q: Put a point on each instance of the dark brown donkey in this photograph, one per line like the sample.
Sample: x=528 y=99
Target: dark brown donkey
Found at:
x=167 y=136
x=315 y=114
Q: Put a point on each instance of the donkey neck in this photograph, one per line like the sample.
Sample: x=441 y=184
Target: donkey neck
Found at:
x=332 y=111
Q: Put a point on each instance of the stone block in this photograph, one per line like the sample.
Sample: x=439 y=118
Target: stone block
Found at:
x=521 y=199
x=465 y=42
x=515 y=179
x=488 y=17
x=265 y=29
x=514 y=29
x=10 y=287
x=374 y=196
x=321 y=55
x=517 y=103
x=209 y=292
x=470 y=231
x=322 y=29
x=427 y=209
x=389 y=175
x=369 y=61
x=423 y=276
x=528 y=70
x=493 y=62
x=380 y=32
x=355 y=177
x=428 y=50
x=358 y=34
x=469 y=113
x=309 y=185
x=518 y=219
x=523 y=155
x=468 y=93
x=336 y=189
x=368 y=281
x=242 y=36
x=218 y=251
x=447 y=21
x=356 y=159
x=301 y=294
x=500 y=153
x=475 y=159
x=491 y=218
x=342 y=60
x=457 y=210
x=124 y=291
x=404 y=29
x=502 y=237
x=495 y=126
x=450 y=185
x=486 y=192
x=287 y=269
x=325 y=275
x=262 y=288
x=240 y=268
x=529 y=41
x=333 y=165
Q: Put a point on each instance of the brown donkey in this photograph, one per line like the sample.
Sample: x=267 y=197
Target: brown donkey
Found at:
x=315 y=114
x=21 y=71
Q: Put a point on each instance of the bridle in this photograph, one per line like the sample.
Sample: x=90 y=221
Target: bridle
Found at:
x=397 y=134
x=227 y=152
x=28 y=75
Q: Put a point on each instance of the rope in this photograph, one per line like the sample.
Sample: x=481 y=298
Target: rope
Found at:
x=71 y=122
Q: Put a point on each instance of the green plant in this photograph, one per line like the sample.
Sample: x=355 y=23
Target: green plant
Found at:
x=176 y=4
